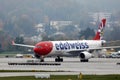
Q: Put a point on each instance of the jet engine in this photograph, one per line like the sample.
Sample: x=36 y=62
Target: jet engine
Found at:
x=103 y=42
x=85 y=55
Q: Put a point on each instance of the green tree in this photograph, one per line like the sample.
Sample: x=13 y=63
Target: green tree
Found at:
x=19 y=40
x=87 y=33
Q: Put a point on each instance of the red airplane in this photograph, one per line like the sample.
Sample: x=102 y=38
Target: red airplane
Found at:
x=81 y=48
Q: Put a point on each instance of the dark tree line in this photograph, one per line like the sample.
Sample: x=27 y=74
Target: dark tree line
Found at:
x=88 y=33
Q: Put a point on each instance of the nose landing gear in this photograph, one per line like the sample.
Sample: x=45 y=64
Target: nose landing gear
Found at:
x=41 y=58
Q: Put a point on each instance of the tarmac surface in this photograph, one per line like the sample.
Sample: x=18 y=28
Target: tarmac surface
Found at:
x=70 y=66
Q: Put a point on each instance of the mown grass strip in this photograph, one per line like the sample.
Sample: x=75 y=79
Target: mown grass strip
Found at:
x=66 y=77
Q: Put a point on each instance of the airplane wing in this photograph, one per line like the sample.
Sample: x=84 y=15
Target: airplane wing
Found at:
x=109 y=47
x=104 y=48
x=99 y=48
x=29 y=46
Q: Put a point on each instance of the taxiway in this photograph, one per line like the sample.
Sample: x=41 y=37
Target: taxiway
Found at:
x=99 y=66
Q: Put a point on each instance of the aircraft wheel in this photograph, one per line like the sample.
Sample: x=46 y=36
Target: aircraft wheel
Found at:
x=41 y=60
x=58 y=59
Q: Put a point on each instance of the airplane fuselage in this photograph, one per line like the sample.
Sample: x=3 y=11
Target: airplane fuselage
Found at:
x=59 y=47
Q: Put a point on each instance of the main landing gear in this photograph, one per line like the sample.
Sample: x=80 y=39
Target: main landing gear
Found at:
x=58 y=59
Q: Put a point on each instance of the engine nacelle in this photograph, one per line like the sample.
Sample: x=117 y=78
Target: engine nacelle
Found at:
x=103 y=42
x=85 y=55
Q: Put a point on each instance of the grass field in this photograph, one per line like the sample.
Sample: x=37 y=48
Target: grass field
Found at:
x=66 y=77
x=9 y=54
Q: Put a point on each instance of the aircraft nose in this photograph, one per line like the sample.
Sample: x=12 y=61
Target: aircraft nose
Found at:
x=36 y=50
x=43 y=48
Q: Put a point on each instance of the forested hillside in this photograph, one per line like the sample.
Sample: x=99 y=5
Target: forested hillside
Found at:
x=18 y=15
x=21 y=16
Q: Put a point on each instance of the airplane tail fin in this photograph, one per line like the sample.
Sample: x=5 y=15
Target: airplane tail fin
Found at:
x=99 y=34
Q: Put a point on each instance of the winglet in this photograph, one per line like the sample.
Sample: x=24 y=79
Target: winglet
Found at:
x=13 y=43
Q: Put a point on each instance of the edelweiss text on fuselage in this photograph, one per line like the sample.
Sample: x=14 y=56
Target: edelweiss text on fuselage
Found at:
x=73 y=45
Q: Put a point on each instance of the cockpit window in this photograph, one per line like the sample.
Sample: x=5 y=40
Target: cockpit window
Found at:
x=38 y=47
